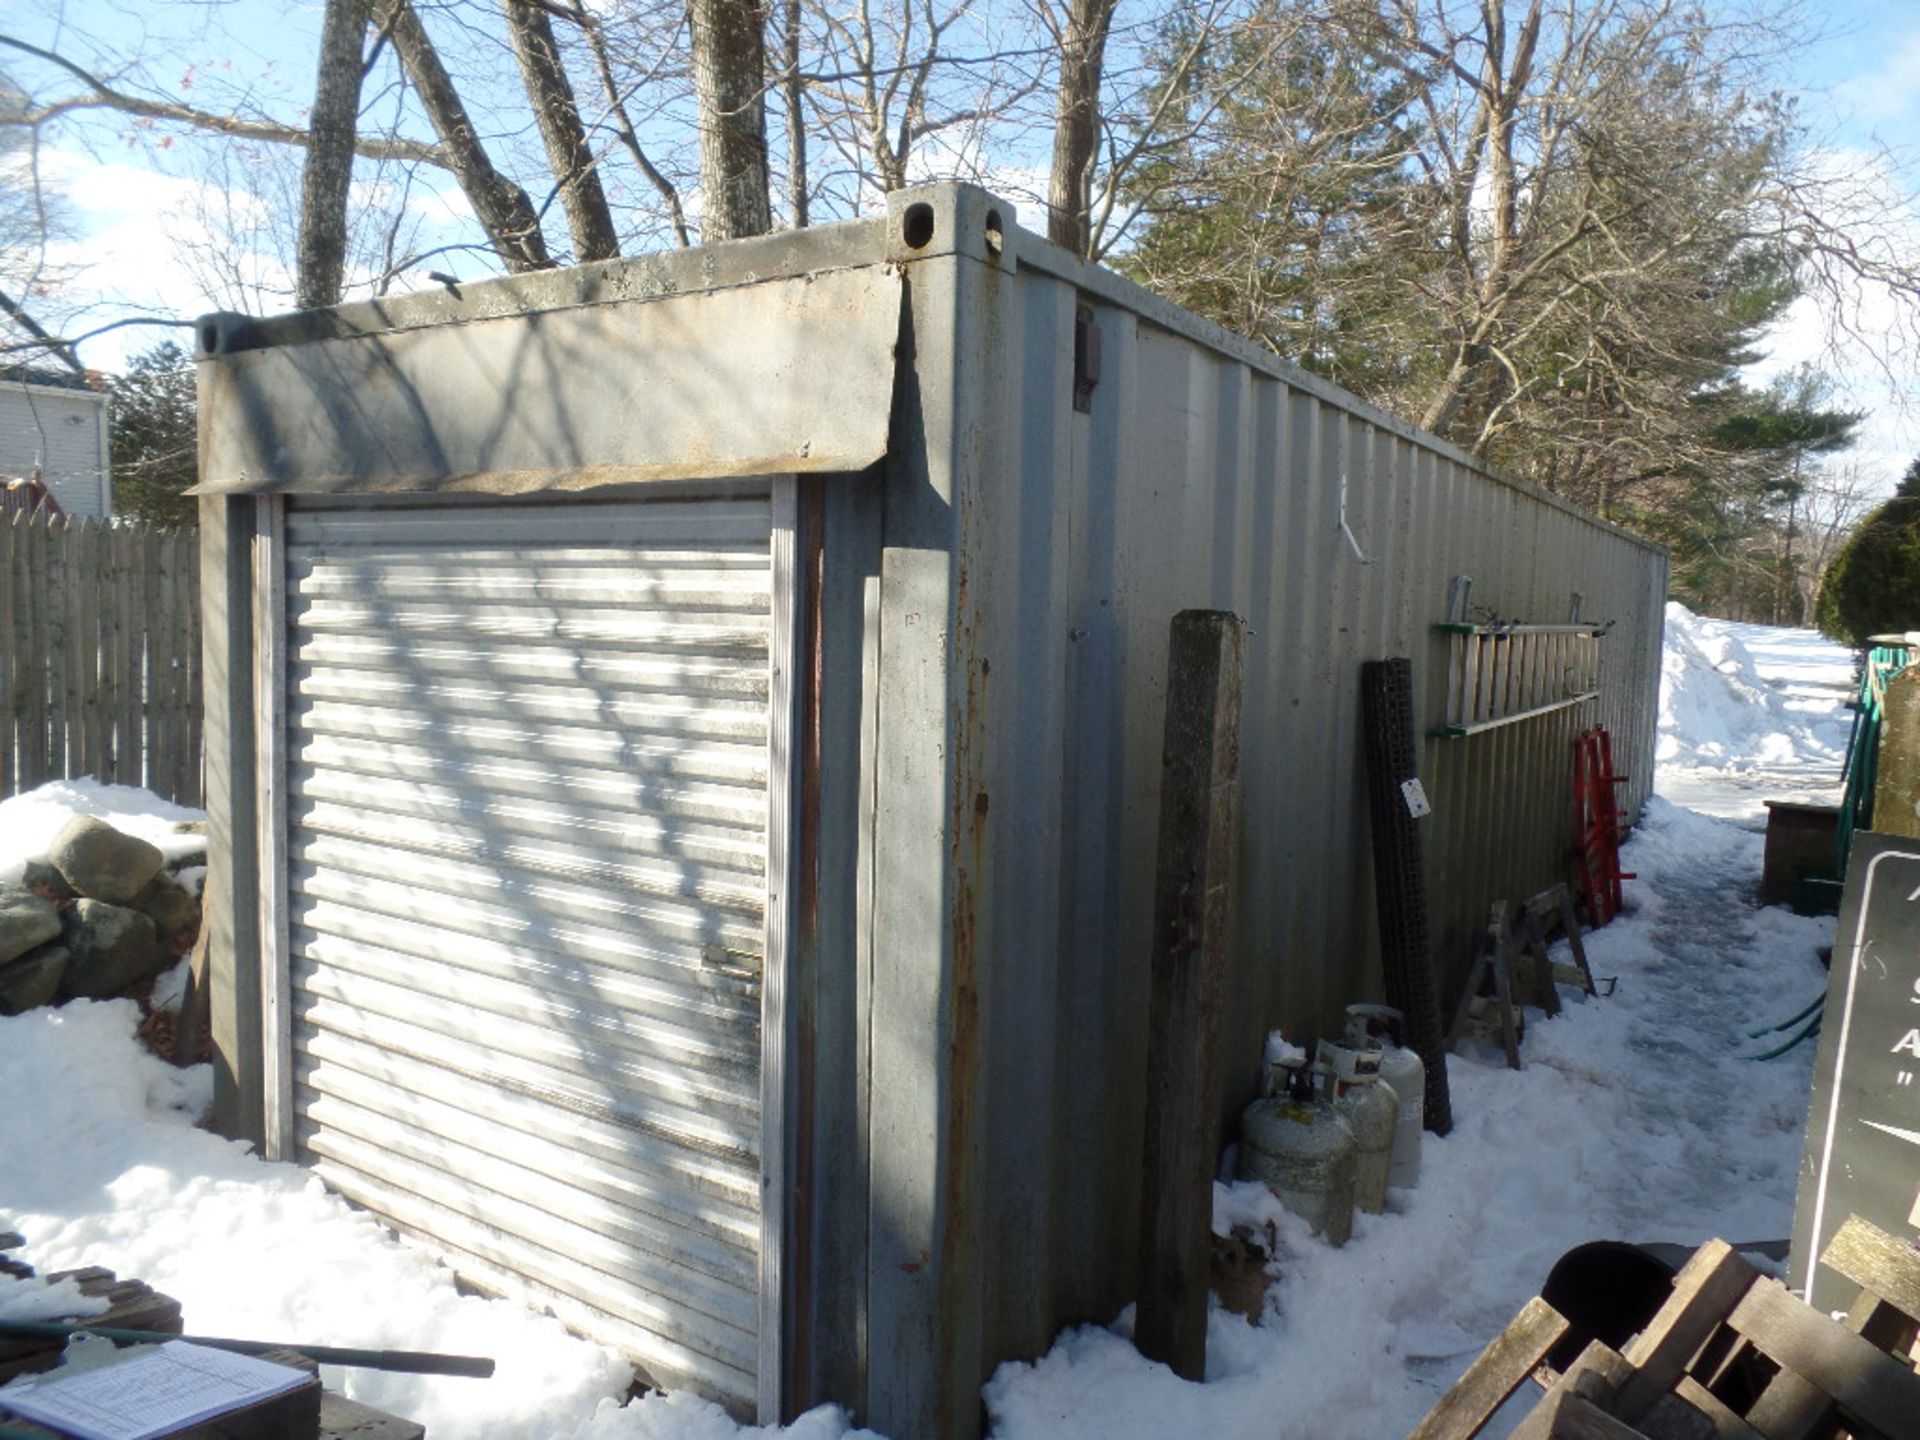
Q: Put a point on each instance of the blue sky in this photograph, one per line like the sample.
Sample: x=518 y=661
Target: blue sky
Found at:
x=136 y=197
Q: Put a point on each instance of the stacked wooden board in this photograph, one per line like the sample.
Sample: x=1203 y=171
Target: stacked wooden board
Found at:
x=1732 y=1355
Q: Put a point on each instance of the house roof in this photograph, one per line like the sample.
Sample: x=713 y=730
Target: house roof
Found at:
x=50 y=377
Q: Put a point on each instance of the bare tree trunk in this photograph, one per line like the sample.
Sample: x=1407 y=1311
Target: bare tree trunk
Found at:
x=558 y=115
x=1076 y=129
x=623 y=123
x=320 y=270
x=793 y=91
x=729 y=84
x=1784 y=582
x=502 y=206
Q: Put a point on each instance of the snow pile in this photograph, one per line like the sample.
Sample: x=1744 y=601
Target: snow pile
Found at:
x=1721 y=708
x=40 y=1299
x=1750 y=713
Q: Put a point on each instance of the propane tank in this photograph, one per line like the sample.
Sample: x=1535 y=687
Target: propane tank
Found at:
x=1382 y=1027
x=1301 y=1148
x=1372 y=1110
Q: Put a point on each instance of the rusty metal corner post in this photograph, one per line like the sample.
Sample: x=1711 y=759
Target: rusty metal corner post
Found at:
x=1199 y=777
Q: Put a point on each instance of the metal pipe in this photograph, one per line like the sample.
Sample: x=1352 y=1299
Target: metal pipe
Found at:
x=406 y=1362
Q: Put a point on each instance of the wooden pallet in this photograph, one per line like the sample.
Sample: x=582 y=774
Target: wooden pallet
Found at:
x=1730 y=1356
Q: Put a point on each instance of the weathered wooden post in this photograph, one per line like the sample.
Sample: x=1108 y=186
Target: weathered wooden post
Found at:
x=1896 y=787
x=1199 y=775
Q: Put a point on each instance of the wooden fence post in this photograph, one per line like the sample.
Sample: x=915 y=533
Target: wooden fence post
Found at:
x=1199 y=777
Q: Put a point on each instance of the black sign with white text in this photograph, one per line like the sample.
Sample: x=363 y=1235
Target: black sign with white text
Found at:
x=1863 y=1125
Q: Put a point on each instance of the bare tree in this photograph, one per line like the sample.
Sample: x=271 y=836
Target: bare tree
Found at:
x=502 y=206
x=1592 y=170
x=1551 y=233
x=622 y=122
x=729 y=79
x=569 y=155
x=1835 y=502
x=329 y=161
x=906 y=91
x=793 y=99
x=32 y=219
x=1082 y=37
x=97 y=92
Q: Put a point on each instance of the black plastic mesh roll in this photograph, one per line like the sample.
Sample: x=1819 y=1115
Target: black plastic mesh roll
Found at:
x=1400 y=888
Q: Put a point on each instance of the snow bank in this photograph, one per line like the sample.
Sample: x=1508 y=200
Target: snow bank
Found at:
x=1722 y=708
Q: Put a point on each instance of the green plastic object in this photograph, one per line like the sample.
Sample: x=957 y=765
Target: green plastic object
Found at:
x=1881 y=663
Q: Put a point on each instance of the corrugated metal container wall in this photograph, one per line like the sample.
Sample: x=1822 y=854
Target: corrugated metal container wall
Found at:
x=1208 y=476
x=970 y=593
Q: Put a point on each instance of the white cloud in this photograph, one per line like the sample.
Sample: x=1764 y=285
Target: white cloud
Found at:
x=1865 y=336
x=132 y=225
x=1891 y=89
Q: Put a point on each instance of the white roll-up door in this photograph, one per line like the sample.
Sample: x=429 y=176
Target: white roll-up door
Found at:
x=527 y=801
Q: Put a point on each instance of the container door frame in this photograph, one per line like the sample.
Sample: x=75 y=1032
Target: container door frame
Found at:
x=785 y=696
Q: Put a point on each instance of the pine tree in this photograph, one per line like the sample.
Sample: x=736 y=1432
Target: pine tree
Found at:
x=155 y=455
x=1873 y=586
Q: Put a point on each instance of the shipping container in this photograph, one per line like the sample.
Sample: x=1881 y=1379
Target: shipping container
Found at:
x=684 y=749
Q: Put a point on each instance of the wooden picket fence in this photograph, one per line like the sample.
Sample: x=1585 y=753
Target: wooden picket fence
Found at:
x=99 y=655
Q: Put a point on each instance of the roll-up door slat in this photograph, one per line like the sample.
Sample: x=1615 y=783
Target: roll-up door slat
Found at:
x=527 y=804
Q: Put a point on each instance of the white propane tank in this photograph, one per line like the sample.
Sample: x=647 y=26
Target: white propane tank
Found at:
x=1372 y=1110
x=1381 y=1026
x=1301 y=1148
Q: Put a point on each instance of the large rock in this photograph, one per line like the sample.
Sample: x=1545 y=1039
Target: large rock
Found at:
x=113 y=947
x=26 y=921
x=175 y=913
x=32 y=980
x=46 y=882
x=101 y=863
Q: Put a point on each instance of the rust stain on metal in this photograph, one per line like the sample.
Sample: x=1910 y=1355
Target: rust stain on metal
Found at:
x=968 y=820
x=690 y=466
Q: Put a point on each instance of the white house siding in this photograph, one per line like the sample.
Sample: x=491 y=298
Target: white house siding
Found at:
x=62 y=432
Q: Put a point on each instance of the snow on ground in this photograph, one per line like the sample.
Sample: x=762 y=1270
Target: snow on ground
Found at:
x=1749 y=713
x=1637 y=1118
